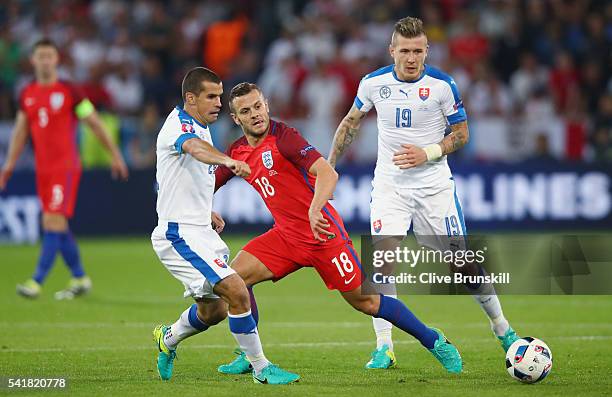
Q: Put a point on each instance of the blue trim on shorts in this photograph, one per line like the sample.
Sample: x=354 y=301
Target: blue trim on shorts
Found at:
x=354 y=255
x=459 y=211
x=186 y=253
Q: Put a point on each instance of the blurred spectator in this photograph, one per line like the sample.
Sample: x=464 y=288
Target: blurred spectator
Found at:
x=563 y=80
x=125 y=90
x=527 y=78
x=142 y=143
x=223 y=41
x=322 y=99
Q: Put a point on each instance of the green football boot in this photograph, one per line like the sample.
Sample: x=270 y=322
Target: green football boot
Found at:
x=273 y=375
x=166 y=356
x=508 y=339
x=77 y=286
x=447 y=353
x=29 y=289
x=382 y=358
x=239 y=366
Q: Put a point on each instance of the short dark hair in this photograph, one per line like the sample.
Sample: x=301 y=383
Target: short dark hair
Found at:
x=192 y=82
x=242 y=89
x=44 y=42
x=409 y=27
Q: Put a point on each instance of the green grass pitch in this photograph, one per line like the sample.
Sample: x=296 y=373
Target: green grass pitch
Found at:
x=102 y=343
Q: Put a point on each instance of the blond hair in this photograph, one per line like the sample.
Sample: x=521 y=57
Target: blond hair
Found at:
x=408 y=27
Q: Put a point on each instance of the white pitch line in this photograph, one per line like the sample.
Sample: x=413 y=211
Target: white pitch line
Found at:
x=292 y=324
x=586 y=338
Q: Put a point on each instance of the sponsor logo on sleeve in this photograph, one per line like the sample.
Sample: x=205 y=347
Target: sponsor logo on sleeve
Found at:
x=304 y=151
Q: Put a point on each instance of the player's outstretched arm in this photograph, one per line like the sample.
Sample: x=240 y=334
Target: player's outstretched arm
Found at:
x=206 y=153
x=18 y=141
x=325 y=184
x=410 y=156
x=345 y=134
x=118 y=167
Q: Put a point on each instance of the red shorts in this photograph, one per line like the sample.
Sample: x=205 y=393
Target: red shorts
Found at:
x=338 y=264
x=57 y=191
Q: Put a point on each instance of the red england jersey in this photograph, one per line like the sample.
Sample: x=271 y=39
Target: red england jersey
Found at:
x=279 y=173
x=50 y=111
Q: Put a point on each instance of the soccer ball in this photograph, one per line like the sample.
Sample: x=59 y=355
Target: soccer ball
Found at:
x=529 y=360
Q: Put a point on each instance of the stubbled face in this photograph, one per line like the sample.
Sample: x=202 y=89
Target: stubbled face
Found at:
x=408 y=55
x=44 y=59
x=251 y=112
x=208 y=103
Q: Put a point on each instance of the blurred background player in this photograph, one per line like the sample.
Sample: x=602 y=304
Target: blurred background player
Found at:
x=49 y=109
x=296 y=182
x=415 y=103
x=184 y=239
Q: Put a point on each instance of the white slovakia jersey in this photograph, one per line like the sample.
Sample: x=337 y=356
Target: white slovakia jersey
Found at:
x=413 y=112
x=186 y=185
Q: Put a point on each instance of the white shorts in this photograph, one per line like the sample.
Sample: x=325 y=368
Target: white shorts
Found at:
x=434 y=213
x=195 y=255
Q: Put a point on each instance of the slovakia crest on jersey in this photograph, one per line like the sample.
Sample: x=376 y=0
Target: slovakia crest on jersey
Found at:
x=56 y=100
x=266 y=158
x=424 y=93
x=377 y=225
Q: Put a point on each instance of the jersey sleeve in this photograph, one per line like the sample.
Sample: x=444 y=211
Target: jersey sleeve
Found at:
x=222 y=176
x=363 y=100
x=452 y=105
x=296 y=149
x=82 y=106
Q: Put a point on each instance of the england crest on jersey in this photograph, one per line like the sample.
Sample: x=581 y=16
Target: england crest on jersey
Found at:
x=56 y=100
x=266 y=158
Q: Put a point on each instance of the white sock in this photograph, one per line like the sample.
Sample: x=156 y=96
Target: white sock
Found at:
x=184 y=327
x=489 y=301
x=383 y=328
x=244 y=329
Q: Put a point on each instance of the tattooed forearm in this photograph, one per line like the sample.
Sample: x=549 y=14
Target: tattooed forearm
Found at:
x=345 y=135
x=458 y=137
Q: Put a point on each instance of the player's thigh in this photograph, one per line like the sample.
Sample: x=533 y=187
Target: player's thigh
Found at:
x=276 y=254
x=196 y=256
x=390 y=213
x=251 y=269
x=58 y=191
x=438 y=218
x=338 y=266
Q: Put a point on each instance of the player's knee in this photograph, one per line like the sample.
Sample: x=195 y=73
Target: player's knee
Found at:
x=235 y=294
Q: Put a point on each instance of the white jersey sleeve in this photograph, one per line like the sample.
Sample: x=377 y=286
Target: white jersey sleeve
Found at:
x=363 y=100
x=451 y=103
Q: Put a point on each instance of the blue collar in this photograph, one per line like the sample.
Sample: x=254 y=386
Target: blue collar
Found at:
x=184 y=115
x=410 y=81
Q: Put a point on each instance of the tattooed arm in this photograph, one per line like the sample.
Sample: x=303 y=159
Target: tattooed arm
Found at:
x=345 y=134
x=458 y=137
x=412 y=156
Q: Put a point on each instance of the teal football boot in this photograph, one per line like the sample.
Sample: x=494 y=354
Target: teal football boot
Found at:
x=273 y=375
x=239 y=366
x=447 y=353
x=382 y=358
x=166 y=356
